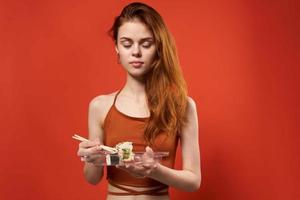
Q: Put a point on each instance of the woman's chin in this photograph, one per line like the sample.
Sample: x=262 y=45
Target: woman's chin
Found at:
x=137 y=76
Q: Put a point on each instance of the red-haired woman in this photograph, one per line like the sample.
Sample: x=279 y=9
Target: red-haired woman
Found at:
x=152 y=110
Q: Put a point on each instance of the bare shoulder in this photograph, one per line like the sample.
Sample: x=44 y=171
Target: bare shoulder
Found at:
x=191 y=104
x=191 y=112
x=100 y=105
x=101 y=101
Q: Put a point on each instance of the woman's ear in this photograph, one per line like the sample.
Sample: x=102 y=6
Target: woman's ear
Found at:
x=118 y=55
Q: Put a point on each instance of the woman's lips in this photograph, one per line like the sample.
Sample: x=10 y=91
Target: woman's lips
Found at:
x=136 y=64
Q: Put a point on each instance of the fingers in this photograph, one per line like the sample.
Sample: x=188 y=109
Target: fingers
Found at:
x=88 y=158
x=141 y=170
x=150 y=166
x=148 y=158
x=95 y=159
x=87 y=144
x=91 y=151
x=149 y=150
x=90 y=154
x=149 y=153
x=88 y=151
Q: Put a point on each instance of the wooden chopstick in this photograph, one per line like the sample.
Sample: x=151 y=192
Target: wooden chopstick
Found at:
x=106 y=148
x=78 y=137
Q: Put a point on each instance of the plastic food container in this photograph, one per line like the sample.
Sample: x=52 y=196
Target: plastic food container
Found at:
x=114 y=159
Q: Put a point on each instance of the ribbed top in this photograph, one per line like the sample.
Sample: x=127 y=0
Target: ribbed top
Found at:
x=120 y=127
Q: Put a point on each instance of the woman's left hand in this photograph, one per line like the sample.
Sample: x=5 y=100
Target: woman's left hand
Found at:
x=142 y=166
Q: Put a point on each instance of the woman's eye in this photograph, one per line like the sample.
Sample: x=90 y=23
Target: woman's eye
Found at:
x=127 y=45
x=147 y=44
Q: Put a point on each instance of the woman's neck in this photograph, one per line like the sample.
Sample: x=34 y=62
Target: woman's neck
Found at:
x=134 y=88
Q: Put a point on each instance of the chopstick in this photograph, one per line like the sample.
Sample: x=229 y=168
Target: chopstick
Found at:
x=106 y=148
x=78 y=137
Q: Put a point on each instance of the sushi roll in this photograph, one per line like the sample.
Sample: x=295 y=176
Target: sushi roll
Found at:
x=125 y=151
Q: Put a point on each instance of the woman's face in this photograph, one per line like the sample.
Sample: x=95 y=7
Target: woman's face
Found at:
x=136 y=47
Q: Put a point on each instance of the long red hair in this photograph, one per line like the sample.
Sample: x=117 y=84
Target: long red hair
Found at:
x=165 y=86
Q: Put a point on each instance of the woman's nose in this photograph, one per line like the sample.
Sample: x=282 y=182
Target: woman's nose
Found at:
x=136 y=51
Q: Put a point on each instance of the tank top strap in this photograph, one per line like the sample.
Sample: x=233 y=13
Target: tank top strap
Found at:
x=115 y=99
x=108 y=115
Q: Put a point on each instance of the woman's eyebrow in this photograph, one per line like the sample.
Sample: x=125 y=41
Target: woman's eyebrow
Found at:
x=147 y=39
x=125 y=38
x=142 y=39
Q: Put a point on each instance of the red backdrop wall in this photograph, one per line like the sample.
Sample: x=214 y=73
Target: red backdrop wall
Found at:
x=240 y=60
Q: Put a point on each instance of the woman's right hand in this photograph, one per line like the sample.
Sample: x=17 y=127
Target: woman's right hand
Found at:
x=91 y=152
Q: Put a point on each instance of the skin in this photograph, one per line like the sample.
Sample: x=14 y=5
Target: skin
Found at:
x=135 y=42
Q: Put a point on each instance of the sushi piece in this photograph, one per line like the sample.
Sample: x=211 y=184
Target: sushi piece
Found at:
x=125 y=151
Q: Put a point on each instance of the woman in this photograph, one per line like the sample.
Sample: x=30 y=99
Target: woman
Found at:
x=152 y=110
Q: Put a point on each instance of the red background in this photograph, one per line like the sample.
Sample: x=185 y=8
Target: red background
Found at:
x=240 y=60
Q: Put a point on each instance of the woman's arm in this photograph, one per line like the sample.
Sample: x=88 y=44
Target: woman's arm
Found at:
x=93 y=173
x=189 y=178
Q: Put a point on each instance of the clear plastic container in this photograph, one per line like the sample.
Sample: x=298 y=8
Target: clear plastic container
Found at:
x=115 y=159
